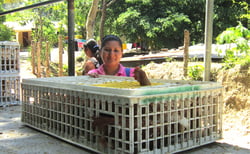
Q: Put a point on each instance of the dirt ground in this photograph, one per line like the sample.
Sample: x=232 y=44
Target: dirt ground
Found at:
x=16 y=138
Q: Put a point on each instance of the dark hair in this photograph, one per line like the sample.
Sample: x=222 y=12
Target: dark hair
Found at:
x=108 y=38
x=92 y=45
x=94 y=48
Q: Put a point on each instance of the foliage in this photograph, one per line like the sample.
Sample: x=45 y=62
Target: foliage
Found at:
x=148 y=23
x=194 y=59
x=169 y=59
x=44 y=30
x=161 y=23
x=195 y=72
x=54 y=68
x=5 y=33
x=45 y=21
x=238 y=49
x=154 y=24
x=244 y=14
x=227 y=13
x=81 y=11
x=79 y=59
x=56 y=14
x=2 y=18
x=65 y=70
x=12 y=1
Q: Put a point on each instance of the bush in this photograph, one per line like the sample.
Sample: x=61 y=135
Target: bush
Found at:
x=239 y=36
x=5 y=33
x=195 y=72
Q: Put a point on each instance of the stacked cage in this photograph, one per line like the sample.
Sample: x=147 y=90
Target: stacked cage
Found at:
x=9 y=73
x=172 y=117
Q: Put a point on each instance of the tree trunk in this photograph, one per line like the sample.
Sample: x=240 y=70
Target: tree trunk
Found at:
x=90 y=24
x=104 y=7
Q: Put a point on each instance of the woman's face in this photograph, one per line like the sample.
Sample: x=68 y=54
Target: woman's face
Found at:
x=87 y=52
x=111 y=53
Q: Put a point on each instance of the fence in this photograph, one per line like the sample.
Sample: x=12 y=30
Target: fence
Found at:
x=38 y=57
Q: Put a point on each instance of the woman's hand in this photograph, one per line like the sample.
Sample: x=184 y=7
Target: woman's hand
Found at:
x=141 y=77
x=93 y=75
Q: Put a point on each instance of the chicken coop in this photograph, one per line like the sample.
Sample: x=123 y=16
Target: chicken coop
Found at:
x=9 y=73
x=114 y=115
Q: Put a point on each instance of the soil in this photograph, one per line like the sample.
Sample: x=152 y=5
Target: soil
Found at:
x=16 y=138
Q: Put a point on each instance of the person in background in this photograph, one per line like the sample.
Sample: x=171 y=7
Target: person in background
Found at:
x=94 y=60
x=111 y=53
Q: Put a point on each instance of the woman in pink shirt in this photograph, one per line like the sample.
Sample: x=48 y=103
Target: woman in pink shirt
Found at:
x=111 y=53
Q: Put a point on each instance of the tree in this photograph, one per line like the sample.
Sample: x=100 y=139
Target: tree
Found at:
x=105 y=5
x=154 y=25
x=103 y=16
x=81 y=12
x=227 y=13
x=160 y=23
x=90 y=24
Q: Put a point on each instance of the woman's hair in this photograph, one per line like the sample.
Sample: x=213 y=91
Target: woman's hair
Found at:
x=92 y=45
x=94 y=48
x=108 y=38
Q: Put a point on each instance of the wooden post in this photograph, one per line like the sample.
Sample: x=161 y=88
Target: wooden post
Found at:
x=33 y=52
x=60 y=65
x=208 y=38
x=186 y=54
x=71 y=34
x=47 y=59
x=38 y=55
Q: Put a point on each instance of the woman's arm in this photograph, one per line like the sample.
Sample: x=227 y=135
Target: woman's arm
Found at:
x=88 y=66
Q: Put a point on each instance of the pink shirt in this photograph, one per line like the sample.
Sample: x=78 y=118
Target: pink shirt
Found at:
x=121 y=72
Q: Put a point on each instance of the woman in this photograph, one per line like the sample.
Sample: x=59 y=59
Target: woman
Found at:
x=94 y=60
x=111 y=54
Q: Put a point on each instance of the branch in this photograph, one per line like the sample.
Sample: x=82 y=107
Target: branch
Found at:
x=110 y=3
x=107 y=5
